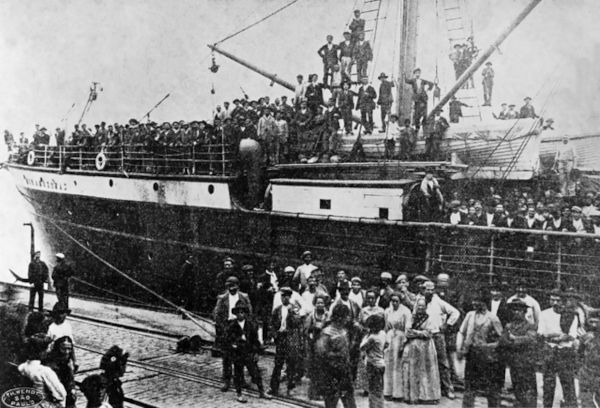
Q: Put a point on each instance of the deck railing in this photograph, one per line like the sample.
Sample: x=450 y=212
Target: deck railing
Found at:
x=211 y=159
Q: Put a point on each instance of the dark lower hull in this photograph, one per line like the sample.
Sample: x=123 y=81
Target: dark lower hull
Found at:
x=150 y=242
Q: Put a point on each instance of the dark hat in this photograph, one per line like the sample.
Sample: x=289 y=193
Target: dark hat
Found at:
x=416 y=70
x=305 y=253
x=232 y=280
x=456 y=45
x=286 y=291
x=518 y=304
x=527 y=98
x=228 y=259
x=92 y=385
x=59 y=308
x=346 y=33
x=240 y=306
x=382 y=75
x=454 y=204
x=572 y=293
x=488 y=63
x=512 y=105
x=247 y=267
x=42 y=129
x=421 y=279
x=133 y=122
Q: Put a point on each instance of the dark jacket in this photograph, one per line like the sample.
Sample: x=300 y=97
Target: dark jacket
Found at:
x=366 y=98
x=329 y=56
x=419 y=92
x=385 y=93
x=362 y=51
x=61 y=274
x=37 y=273
x=244 y=341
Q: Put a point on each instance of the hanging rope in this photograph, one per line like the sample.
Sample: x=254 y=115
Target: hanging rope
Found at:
x=129 y=278
x=256 y=23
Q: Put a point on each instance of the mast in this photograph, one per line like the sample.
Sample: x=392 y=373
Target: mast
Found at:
x=273 y=77
x=484 y=56
x=408 y=11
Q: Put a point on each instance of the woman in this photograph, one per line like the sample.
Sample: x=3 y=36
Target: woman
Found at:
x=333 y=351
x=312 y=330
x=114 y=362
x=369 y=310
x=44 y=379
x=477 y=341
x=397 y=319
x=60 y=360
x=420 y=376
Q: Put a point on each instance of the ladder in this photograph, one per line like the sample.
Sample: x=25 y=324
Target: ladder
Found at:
x=370 y=12
x=454 y=15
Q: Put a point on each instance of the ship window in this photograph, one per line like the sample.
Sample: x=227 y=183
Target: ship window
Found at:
x=211 y=189
x=325 y=204
x=110 y=182
x=384 y=213
x=155 y=186
x=75 y=182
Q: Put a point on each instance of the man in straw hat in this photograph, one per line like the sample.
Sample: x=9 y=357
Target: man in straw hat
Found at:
x=366 y=104
x=385 y=100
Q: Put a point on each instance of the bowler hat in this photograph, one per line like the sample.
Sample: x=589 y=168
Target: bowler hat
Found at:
x=247 y=267
x=382 y=75
x=306 y=253
x=416 y=70
x=518 y=304
x=488 y=63
x=527 y=98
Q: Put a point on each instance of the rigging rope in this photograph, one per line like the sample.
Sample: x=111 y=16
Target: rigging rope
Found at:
x=257 y=22
x=129 y=278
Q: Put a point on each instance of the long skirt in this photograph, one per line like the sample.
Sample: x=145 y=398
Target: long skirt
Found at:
x=420 y=376
x=392 y=380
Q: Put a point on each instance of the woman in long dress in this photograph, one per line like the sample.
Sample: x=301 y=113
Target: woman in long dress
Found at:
x=370 y=309
x=397 y=319
x=420 y=376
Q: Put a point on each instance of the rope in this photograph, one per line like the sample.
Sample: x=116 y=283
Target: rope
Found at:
x=133 y=300
x=129 y=278
x=256 y=23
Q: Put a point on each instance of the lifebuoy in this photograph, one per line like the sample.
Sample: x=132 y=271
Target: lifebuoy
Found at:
x=31 y=158
x=100 y=161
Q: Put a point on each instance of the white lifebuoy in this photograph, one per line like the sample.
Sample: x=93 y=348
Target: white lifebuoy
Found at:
x=31 y=158
x=100 y=161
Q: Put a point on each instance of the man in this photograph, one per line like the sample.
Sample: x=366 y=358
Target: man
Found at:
x=455 y=107
x=408 y=140
x=244 y=347
x=303 y=117
x=344 y=298
x=385 y=100
x=420 y=88
x=357 y=293
x=533 y=311
x=314 y=94
x=498 y=217
x=488 y=83
x=588 y=207
x=60 y=279
x=578 y=223
x=287 y=325
x=299 y=91
x=366 y=104
x=498 y=304
x=304 y=271
x=346 y=48
x=356 y=27
x=340 y=279
x=188 y=284
x=527 y=110
x=564 y=162
x=385 y=290
x=362 y=54
x=434 y=139
x=329 y=55
x=559 y=333
x=456 y=217
x=281 y=138
x=330 y=138
x=309 y=294
x=266 y=136
x=393 y=133
x=453 y=296
x=223 y=315
x=456 y=58
x=60 y=327
x=37 y=275
x=287 y=281
x=503 y=111
x=442 y=316
x=345 y=104
x=432 y=197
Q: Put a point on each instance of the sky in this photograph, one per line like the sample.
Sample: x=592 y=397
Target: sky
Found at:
x=140 y=50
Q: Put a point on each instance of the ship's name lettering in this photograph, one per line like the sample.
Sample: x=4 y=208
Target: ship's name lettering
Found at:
x=45 y=184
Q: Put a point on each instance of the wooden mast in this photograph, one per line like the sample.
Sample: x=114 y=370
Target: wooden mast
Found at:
x=408 y=11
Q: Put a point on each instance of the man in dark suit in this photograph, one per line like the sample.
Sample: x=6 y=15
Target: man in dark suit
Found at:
x=499 y=217
x=329 y=55
x=346 y=48
x=527 y=110
x=356 y=26
x=363 y=53
x=386 y=99
x=244 y=347
x=286 y=324
x=420 y=88
x=366 y=104
x=223 y=315
x=345 y=104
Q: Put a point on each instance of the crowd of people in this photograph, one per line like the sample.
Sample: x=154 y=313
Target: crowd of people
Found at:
x=399 y=340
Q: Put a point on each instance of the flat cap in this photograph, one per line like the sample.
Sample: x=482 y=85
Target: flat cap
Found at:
x=386 y=275
x=232 y=280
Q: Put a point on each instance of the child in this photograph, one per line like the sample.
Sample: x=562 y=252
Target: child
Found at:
x=373 y=346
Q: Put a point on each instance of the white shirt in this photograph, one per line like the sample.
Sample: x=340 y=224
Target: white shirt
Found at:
x=441 y=312
x=233 y=299
x=494 y=306
x=307 y=300
x=357 y=298
x=533 y=311
x=392 y=131
x=299 y=91
x=296 y=300
x=455 y=218
x=284 y=315
x=489 y=217
x=550 y=324
x=56 y=331
x=578 y=225
x=273 y=279
x=44 y=379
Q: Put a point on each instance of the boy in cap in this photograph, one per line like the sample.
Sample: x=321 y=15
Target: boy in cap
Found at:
x=304 y=271
x=527 y=110
x=243 y=346
x=362 y=54
x=60 y=327
x=60 y=278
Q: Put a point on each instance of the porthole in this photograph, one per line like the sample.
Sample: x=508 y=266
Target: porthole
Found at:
x=75 y=182
x=211 y=189
x=155 y=186
x=110 y=183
